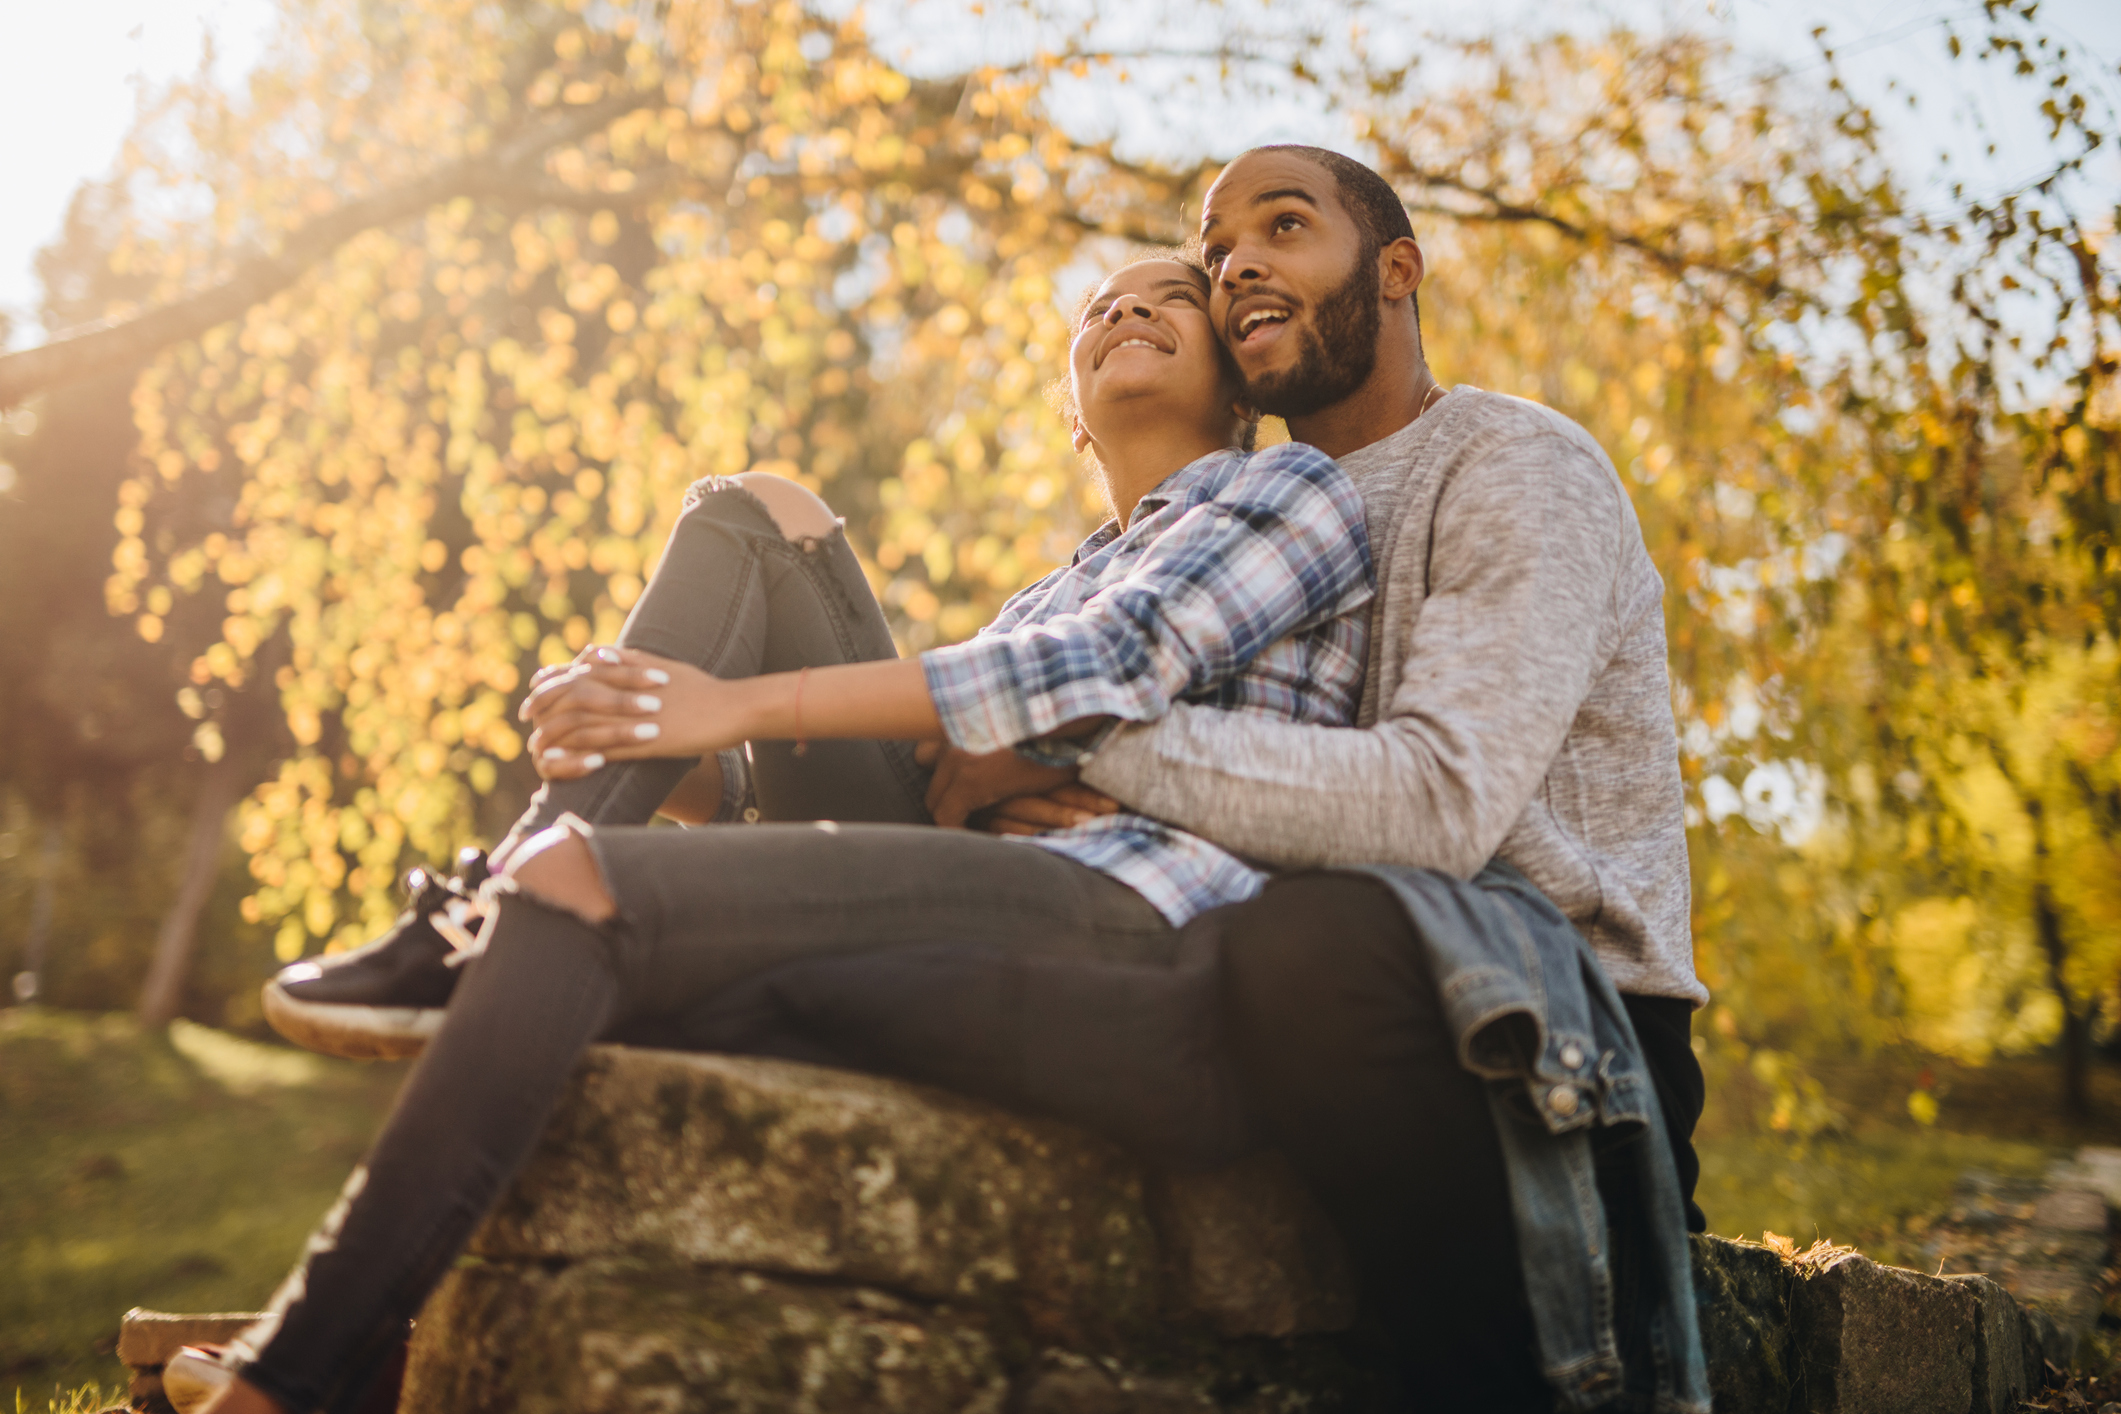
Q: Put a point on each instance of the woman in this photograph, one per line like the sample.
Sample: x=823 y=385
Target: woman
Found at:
x=1225 y=577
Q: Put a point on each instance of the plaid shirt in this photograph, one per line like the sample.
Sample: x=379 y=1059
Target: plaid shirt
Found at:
x=1238 y=585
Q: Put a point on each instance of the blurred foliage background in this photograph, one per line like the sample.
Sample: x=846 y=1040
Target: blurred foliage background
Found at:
x=497 y=279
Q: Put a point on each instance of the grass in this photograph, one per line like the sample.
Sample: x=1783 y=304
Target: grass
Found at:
x=1881 y=1179
x=1877 y=1188
x=176 y=1170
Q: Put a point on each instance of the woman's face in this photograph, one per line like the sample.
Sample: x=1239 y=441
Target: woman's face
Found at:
x=1145 y=348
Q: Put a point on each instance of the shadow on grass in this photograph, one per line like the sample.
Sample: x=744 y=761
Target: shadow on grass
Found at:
x=177 y=1170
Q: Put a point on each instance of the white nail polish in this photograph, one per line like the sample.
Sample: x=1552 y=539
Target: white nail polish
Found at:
x=594 y=761
x=647 y=731
x=656 y=676
x=609 y=655
x=648 y=703
x=554 y=753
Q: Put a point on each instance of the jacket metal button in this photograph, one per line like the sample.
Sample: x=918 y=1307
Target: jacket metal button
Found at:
x=1572 y=1055
x=1562 y=1100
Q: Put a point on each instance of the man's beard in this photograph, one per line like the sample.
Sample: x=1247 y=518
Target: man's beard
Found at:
x=1339 y=350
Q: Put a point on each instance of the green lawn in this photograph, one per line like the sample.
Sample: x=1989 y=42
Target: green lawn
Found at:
x=176 y=1171
x=1881 y=1179
x=1877 y=1188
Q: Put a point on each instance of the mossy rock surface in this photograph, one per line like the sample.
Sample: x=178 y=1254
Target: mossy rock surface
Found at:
x=794 y=1170
x=634 y=1336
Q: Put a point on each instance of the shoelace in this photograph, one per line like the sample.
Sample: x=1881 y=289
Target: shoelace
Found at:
x=449 y=913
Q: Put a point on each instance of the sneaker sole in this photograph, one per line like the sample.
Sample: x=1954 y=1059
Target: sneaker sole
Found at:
x=351 y=1032
x=188 y=1381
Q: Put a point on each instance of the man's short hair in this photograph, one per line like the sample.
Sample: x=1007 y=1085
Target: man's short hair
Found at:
x=1380 y=216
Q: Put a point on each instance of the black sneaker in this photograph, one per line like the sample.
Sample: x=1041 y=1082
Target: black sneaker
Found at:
x=384 y=1000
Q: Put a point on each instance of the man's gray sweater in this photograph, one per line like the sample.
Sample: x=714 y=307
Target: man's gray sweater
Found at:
x=1517 y=700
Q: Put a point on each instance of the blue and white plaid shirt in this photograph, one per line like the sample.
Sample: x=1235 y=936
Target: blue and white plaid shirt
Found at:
x=1239 y=585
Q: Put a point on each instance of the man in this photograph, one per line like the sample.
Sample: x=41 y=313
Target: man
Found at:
x=1517 y=706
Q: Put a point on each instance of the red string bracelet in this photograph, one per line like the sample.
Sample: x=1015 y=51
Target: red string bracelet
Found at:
x=802 y=747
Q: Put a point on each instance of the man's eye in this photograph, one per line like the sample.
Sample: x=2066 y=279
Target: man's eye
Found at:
x=1215 y=257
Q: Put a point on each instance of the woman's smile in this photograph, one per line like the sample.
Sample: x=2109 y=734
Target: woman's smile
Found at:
x=1134 y=338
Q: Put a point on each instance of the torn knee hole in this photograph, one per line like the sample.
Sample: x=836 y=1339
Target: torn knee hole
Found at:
x=557 y=870
x=803 y=518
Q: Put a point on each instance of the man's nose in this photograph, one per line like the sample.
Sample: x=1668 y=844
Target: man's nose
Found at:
x=1241 y=266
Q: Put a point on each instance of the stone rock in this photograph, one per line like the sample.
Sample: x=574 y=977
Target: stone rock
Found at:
x=761 y=1237
x=2047 y=1341
x=1882 y=1340
x=641 y=1336
x=2002 y=1379
x=2071 y=1210
x=1249 y=1249
x=778 y=1167
x=1742 y=1300
x=2046 y=1243
x=626 y=1336
x=2095 y=1167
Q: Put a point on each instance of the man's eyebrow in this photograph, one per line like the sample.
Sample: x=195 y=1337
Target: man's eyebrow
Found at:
x=1277 y=194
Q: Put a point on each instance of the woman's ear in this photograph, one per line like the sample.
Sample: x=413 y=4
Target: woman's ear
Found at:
x=1077 y=435
x=1245 y=411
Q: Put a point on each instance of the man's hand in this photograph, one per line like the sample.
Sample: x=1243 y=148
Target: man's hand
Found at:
x=1011 y=796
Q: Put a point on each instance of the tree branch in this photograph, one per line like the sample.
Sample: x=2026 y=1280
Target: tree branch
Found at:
x=1502 y=210
x=513 y=168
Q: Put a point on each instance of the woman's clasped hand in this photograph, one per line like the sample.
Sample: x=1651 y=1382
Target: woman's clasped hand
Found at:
x=620 y=704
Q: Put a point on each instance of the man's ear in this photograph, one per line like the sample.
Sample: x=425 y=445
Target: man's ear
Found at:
x=1077 y=435
x=1400 y=268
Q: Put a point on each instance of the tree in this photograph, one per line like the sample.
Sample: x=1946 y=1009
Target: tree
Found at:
x=732 y=236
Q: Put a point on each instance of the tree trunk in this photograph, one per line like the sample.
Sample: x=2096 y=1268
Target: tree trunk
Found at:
x=2076 y=1022
x=30 y=980
x=219 y=788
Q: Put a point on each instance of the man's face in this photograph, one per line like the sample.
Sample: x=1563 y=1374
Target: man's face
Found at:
x=1294 y=299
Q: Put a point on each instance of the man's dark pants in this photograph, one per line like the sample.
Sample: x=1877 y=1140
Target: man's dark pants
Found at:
x=1342 y=1045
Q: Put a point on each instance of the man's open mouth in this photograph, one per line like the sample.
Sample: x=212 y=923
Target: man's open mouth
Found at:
x=1252 y=321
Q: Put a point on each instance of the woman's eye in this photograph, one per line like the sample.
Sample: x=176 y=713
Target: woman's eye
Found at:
x=1288 y=223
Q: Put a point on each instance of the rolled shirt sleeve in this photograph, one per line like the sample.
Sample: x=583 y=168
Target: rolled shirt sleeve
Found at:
x=1279 y=548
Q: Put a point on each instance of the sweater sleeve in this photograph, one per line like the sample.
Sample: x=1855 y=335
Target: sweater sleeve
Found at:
x=1519 y=619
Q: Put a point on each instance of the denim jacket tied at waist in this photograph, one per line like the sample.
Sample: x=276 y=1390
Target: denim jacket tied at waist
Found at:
x=1538 y=1019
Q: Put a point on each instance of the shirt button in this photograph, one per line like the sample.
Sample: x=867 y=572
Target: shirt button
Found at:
x=751 y=814
x=1562 y=1100
x=1572 y=1055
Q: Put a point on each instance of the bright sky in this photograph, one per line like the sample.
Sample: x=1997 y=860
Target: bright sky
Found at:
x=67 y=76
x=68 y=73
